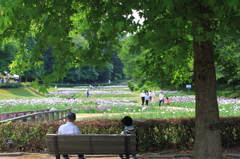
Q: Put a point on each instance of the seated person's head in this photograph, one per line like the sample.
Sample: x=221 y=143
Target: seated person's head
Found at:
x=127 y=121
x=71 y=117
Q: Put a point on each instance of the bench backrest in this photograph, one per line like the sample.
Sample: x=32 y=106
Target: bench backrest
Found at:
x=91 y=144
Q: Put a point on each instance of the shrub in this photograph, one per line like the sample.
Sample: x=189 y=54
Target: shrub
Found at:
x=10 y=85
x=145 y=88
x=154 y=134
x=136 y=88
x=27 y=84
x=130 y=85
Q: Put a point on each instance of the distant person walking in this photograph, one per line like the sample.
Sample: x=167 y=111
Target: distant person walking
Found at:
x=150 y=96
x=161 y=99
x=142 y=95
x=168 y=101
x=153 y=96
x=87 y=93
x=147 y=98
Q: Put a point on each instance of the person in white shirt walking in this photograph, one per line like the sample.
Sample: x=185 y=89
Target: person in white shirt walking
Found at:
x=161 y=99
x=153 y=96
x=147 y=98
x=142 y=95
x=150 y=96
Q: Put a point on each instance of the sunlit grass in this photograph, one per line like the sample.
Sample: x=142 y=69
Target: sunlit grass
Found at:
x=20 y=92
x=163 y=113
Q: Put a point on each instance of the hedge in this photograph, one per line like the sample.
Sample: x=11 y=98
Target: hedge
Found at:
x=154 y=134
x=10 y=85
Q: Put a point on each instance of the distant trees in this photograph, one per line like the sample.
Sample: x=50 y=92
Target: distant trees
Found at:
x=145 y=64
x=227 y=63
x=81 y=74
x=7 y=54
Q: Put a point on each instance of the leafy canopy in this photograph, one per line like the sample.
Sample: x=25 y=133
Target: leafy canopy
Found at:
x=167 y=32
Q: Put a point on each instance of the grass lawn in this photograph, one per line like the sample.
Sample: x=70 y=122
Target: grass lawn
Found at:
x=21 y=92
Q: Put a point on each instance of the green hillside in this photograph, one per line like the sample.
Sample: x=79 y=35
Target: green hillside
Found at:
x=21 y=92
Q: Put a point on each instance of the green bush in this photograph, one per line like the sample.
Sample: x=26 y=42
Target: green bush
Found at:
x=130 y=85
x=145 y=88
x=26 y=84
x=140 y=83
x=154 y=134
x=10 y=85
x=86 y=85
x=136 y=89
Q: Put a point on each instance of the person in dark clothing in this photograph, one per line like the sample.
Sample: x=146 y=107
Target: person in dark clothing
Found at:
x=128 y=129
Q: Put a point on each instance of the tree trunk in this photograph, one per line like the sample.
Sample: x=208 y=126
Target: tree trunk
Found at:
x=207 y=143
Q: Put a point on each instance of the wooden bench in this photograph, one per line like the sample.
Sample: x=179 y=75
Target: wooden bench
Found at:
x=91 y=144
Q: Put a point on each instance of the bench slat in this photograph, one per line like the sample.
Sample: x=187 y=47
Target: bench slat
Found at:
x=91 y=144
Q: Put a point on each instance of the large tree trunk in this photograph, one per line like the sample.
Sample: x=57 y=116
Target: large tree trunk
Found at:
x=207 y=143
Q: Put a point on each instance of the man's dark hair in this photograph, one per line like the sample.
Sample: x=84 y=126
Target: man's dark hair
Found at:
x=71 y=116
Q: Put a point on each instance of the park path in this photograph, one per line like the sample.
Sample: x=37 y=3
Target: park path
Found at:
x=231 y=154
x=47 y=156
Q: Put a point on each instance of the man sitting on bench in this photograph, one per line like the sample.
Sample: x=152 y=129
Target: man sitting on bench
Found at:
x=70 y=128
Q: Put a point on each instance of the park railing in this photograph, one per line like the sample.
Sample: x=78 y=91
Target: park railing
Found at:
x=35 y=116
x=9 y=115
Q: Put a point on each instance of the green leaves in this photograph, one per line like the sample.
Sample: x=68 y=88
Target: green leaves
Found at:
x=168 y=4
x=168 y=29
x=119 y=25
x=228 y=58
x=199 y=30
x=178 y=21
x=233 y=4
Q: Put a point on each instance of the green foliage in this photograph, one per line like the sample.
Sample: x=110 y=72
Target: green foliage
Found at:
x=228 y=60
x=10 y=85
x=28 y=137
x=148 y=85
x=148 y=64
x=7 y=53
x=26 y=84
x=226 y=90
x=86 y=74
x=136 y=88
x=131 y=85
x=128 y=57
x=144 y=88
x=117 y=73
x=140 y=83
x=95 y=86
x=165 y=43
x=153 y=134
x=230 y=132
x=81 y=33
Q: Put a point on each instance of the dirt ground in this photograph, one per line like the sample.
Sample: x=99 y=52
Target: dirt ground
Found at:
x=232 y=153
x=45 y=156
